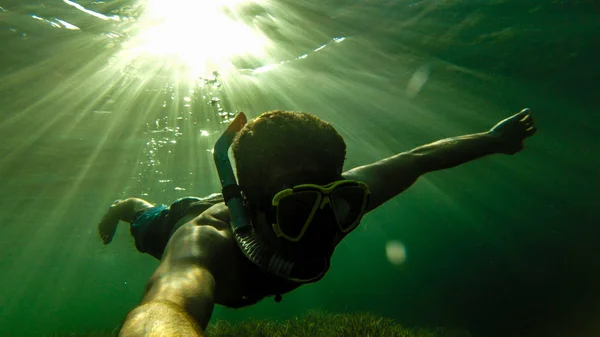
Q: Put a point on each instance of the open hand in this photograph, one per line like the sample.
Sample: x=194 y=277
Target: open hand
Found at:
x=512 y=131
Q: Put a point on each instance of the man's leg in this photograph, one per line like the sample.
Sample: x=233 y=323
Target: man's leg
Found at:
x=123 y=210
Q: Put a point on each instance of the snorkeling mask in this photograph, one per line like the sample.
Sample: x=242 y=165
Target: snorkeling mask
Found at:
x=294 y=209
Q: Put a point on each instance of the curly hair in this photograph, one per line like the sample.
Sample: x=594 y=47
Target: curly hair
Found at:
x=284 y=139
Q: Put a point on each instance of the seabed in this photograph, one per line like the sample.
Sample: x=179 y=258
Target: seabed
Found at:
x=317 y=324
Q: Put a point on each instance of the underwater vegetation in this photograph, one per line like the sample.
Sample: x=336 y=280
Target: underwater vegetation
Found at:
x=317 y=324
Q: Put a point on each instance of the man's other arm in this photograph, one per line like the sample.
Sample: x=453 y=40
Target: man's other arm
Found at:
x=391 y=176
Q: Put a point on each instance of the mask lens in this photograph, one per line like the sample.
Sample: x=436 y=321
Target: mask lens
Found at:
x=294 y=211
x=347 y=202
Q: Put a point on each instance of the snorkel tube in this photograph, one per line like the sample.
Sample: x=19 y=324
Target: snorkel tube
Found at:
x=241 y=226
x=231 y=190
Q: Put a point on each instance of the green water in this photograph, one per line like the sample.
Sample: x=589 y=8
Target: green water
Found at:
x=103 y=100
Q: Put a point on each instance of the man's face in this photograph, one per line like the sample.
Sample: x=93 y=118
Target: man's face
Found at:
x=321 y=236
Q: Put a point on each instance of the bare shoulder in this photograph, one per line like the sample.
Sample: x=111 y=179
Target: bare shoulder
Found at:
x=205 y=241
x=386 y=178
x=217 y=216
x=204 y=236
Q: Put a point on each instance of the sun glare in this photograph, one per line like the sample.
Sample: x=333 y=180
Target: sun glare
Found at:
x=198 y=36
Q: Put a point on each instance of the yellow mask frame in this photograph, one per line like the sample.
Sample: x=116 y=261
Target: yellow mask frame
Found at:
x=323 y=195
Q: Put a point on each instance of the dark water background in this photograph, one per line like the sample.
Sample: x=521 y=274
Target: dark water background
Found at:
x=505 y=246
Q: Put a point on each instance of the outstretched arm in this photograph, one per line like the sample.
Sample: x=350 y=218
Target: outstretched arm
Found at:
x=120 y=210
x=389 y=177
x=179 y=298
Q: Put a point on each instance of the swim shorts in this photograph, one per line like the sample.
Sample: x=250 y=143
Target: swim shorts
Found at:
x=153 y=227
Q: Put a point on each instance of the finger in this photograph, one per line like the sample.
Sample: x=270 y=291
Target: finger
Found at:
x=524 y=113
x=531 y=131
x=529 y=122
x=528 y=118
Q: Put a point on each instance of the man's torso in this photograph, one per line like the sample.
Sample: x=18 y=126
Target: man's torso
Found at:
x=239 y=282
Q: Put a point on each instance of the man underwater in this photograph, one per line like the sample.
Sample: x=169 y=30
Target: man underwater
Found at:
x=278 y=228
